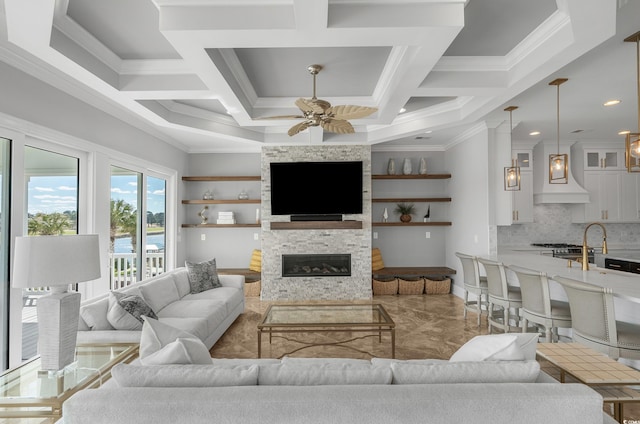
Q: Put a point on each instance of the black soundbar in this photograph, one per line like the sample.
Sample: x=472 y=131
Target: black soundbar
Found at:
x=330 y=217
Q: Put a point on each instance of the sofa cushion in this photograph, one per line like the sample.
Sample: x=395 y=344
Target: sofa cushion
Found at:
x=229 y=296
x=322 y=361
x=466 y=372
x=202 y=275
x=388 y=361
x=95 y=315
x=192 y=325
x=212 y=311
x=493 y=347
x=181 y=280
x=161 y=343
x=318 y=374
x=184 y=375
x=126 y=310
x=159 y=292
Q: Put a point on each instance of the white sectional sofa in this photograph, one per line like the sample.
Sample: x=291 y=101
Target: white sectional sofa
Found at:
x=207 y=314
x=261 y=391
x=476 y=385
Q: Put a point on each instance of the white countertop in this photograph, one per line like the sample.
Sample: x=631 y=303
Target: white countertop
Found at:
x=623 y=284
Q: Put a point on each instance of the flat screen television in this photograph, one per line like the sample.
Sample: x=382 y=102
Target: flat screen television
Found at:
x=316 y=189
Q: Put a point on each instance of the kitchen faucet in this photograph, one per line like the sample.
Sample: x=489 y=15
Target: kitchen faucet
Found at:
x=585 y=257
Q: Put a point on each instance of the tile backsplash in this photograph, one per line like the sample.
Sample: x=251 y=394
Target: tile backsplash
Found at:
x=552 y=224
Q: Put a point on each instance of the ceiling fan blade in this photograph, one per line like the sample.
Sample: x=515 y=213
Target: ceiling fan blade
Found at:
x=309 y=106
x=282 y=117
x=298 y=128
x=350 y=111
x=338 y=126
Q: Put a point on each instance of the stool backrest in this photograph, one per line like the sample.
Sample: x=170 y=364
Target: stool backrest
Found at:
x=470 y=269
x=496 y=278
x=534 y=286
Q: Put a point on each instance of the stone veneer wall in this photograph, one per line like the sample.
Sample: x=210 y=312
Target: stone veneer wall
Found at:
x=278 y=242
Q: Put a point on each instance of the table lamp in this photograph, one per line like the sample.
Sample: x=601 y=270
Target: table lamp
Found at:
x=56 y=262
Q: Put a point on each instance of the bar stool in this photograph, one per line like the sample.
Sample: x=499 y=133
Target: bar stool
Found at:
x=475 y=284
x=506 y=297
x=594 y=321
x=537 y=305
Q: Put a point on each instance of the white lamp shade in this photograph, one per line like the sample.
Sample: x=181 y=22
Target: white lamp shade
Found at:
x=42 y=261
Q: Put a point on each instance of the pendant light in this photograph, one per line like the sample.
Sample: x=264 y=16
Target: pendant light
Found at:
x=511 y=173
x=632 y=140
x=558 y=163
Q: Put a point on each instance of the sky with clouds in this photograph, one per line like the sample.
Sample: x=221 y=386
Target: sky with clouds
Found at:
x=48 y=194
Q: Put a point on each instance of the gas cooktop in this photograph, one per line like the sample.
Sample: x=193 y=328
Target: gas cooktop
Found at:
x=556 y=245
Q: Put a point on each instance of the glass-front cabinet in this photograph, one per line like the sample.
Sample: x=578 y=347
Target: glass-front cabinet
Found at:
x=600 y=159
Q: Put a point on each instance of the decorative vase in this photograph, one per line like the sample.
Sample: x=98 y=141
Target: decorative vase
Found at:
x=406 y=166
x=385 y=215
x=391 y=167
x=243 y=195
x=405 y=218
x=207 y=195
x=203 y=215
x=423 y=166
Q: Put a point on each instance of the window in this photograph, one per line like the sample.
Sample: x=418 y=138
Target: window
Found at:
x=137 y=240
x=5 y=168
x=52 y=209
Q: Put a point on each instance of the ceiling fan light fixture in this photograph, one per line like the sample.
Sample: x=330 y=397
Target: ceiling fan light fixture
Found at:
x=558 y=163
x=632 y=140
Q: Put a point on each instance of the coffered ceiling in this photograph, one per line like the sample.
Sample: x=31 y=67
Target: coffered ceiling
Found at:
x=200 y=74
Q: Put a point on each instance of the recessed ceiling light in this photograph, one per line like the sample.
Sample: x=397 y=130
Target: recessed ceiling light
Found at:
x=403 y=110
x=624 y=132
x=420 y=137
x=611 y=102
x=534 y=133
x=428 y=132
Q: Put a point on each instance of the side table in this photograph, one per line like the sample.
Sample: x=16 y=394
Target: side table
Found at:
x=27 y=391
x=612 y=379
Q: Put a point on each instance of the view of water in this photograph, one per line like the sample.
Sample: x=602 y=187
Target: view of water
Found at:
x=123 y=244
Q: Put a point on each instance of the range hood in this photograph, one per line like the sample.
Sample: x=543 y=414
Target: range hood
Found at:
x=543 y=192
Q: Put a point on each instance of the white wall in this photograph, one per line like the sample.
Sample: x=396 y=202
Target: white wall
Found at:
x=468 y=162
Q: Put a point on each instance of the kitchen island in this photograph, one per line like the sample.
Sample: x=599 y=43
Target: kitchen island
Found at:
x=624 y=285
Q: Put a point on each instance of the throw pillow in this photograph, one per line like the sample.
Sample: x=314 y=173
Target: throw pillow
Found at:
x=256 y=261
x=203 y=276
x=162 y=343
x=126 y=375
x=494 y=347
x=376 y=259
x=95 y=315
x=126 y=310
x=180 y=351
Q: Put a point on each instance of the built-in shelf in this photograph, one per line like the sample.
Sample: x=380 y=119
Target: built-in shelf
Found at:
x=220 y=201
x=411 y=224
x=412 y=199
x=317 y=225
x=220 y=225
x=223 y=178
x=411 y=177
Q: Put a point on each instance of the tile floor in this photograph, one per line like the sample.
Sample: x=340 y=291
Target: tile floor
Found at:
x=427 y=326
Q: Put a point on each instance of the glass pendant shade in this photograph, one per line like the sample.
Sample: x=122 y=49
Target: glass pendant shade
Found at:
x=558 y=169
x=632 y=152
x=512 y=178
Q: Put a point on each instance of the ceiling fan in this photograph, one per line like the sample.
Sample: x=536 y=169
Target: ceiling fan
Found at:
x=318 y=112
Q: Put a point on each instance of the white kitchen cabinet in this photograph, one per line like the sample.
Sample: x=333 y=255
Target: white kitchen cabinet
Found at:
x=630 y=194
x=605 y=192
x=523 y=199
x=603 y=159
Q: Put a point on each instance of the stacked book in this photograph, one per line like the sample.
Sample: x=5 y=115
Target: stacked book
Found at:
x=225 y=218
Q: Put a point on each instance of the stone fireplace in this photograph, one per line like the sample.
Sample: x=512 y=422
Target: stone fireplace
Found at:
x=279 y=239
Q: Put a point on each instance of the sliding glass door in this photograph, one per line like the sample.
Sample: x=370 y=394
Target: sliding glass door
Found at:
x=5 y=195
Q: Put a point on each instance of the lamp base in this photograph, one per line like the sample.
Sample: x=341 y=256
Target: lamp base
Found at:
x=58 y=315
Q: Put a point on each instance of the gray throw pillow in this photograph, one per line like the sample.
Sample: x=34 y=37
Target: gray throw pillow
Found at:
x=203 y=276
x=134 y=305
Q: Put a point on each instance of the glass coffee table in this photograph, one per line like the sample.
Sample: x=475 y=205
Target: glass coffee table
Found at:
x=27 y=391
x=327 y=318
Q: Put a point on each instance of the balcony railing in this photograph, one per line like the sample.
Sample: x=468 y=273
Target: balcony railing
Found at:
x=123 y=268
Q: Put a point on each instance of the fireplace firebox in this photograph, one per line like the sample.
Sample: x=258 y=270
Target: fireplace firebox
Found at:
x=316 y=265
